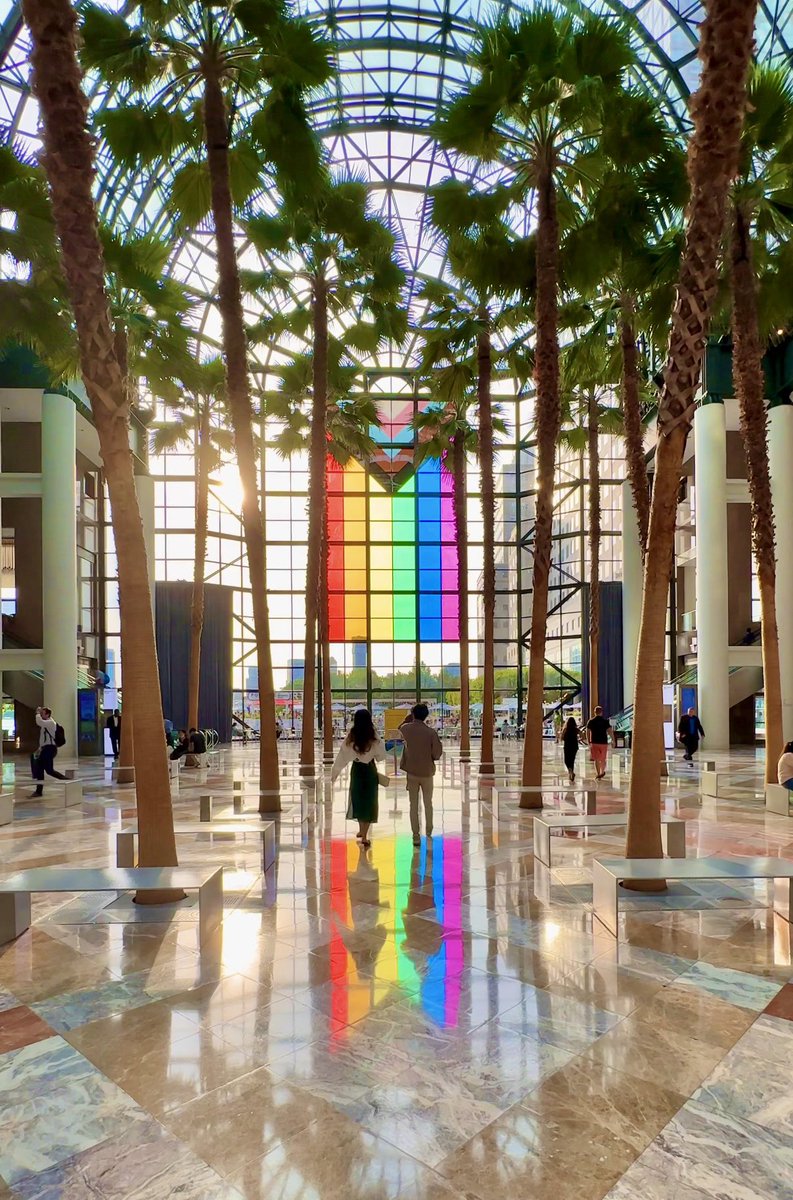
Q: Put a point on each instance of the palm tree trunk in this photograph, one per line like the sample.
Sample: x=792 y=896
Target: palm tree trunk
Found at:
x=203 y=455
x=324 y=641
x=460 y=497
x=68 y=161
x=747 y=365
x=717 y=111
x=594 y=551
x=632 y=418
x=546 y=377
x=216 y=124
x=316 y=513
x=486 y=468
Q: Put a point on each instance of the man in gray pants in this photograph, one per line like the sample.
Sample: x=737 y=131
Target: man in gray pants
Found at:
x=422 y=750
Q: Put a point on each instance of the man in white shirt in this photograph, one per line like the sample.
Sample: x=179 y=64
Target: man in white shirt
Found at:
x=41 y=762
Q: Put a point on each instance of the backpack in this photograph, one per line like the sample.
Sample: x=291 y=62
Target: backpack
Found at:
x=60 y=736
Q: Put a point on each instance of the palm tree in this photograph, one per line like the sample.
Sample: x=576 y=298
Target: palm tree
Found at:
x=196 y=422
x=761 y=214
x=349 y=264
x=548 y=94
x=69 y=165
x=588 y=384
x=494 y=272
x=349 y=418
x=215 y=56
x=717 y=113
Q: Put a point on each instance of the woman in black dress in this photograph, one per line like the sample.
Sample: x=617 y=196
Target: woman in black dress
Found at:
x=571 y=740
x=363 y=748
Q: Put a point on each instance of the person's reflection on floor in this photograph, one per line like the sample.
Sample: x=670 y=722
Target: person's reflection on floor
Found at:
x=423 y=937
x=366 y=938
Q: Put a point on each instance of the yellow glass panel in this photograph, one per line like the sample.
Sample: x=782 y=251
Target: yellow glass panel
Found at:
x=355 y=581
x=380 y=508
x=355 y=606
x=355 y=558
x=354 y=531
x=382 y=629
x=354 y=478
x=381 y=581
x=381 y=606
x=380 y=531
x=355 y=508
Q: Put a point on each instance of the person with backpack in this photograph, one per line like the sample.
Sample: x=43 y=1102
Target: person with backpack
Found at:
x=51 y=737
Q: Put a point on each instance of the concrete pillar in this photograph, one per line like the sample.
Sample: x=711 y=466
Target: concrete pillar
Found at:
x=144 y=486
x=780 y=456
x=713 y=638
x=59 y=562
x=632 y=592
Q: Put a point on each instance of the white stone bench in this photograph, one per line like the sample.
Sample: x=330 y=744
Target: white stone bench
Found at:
x=15 y=892
x=6 y=808
x=608 y=873
x=777 y=799
x=673 y=830
x=60 y=793
x=125 y=838
x=589 y=793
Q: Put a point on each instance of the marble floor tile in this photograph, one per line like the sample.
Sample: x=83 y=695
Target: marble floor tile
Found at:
x=663 y=1054
x=36 y=966
x=741 y=1087
x=335 y=1160
x=20 y=1026
x=782 y=1004
x=39 y=1067
x=770 y=1040
x=640 y=1183
x=736 y=987
x=560 y=1021
x=699 y=1015
x=138 y=1163
x=722 y=1155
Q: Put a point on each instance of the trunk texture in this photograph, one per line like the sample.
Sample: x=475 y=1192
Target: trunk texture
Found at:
x=324 y=641
x=747 y=365
x=239 y=404
x=717 y=111
x=486 y=452
x=546 y=377
x=460 y=498
x=594 y=553
x=318 y=448
x=632 y=417
x=68 y=161
x=203 y=461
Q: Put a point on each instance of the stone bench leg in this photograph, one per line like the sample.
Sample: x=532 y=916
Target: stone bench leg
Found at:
x=205 y=808
x=6 y=810
x=590 y=802
x=542 y=841
x=125 y=849
x=238 y=804
x=605 y=897
x=210 y=906
x=72 y=792
x=777 y=799
x=269 y=847
x=673 y=836
x=783 y=898
x=14 y=915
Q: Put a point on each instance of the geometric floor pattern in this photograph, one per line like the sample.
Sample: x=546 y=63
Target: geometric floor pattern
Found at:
x=399 y=1024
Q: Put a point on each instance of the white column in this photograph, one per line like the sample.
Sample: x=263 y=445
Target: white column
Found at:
x=632 y=591
x=780 y=457
x=713 y=636
x=59 y=562
x=144 y=486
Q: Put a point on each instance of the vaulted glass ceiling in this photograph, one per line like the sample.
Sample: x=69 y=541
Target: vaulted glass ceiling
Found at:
x=396 y=61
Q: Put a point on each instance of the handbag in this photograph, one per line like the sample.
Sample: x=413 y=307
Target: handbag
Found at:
x=383 y=780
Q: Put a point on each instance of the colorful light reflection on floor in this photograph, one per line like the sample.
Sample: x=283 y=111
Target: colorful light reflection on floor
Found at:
x=377 y=902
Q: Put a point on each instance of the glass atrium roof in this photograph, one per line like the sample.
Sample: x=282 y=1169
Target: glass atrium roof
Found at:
x=396 y=62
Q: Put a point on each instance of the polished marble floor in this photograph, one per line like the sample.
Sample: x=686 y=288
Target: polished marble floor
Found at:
x=399 y=1024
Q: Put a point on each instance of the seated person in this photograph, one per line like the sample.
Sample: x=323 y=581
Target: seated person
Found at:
x=181 y=747
x=196 y=749
x=784 y=768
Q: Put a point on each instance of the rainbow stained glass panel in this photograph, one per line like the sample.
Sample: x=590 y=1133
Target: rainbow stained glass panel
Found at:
x=392 y=558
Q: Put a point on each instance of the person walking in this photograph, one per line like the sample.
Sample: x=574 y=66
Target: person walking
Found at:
x=689 y=731
x=42 y=760
x=363 y=749
x=113 y=727
x=598 y=729
x=422 y=750
x=570 y=738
